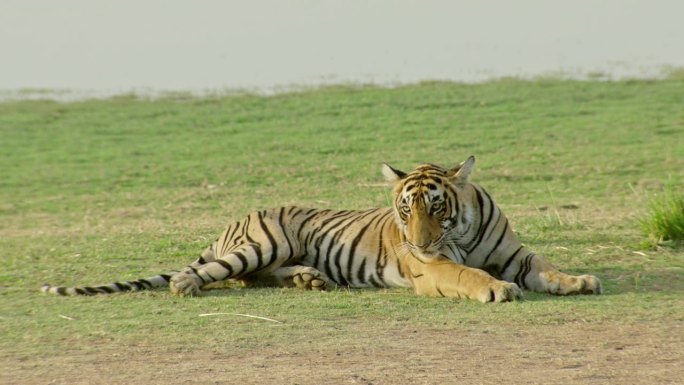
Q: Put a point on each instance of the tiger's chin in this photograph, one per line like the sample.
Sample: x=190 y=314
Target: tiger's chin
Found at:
x=428 y=256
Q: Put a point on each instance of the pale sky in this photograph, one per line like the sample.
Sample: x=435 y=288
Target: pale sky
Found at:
x=194 y=45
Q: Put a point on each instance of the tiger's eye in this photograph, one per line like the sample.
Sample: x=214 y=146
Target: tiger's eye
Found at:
x=437 y=207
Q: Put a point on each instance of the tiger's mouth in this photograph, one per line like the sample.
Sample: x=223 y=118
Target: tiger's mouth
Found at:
x=428 y=257
x=429 y=252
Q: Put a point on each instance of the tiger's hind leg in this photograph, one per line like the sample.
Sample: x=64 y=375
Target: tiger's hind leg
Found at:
x=301 y=277
x=237 y=263
x=534 y=272
x=182 y=283
x=259 y=244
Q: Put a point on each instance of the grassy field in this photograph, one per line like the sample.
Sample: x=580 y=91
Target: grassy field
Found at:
x=122 y=188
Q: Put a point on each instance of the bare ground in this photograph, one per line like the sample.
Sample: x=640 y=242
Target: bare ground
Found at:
x=574 y=353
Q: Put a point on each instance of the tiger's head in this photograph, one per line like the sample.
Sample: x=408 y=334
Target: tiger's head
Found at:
x=432 y=205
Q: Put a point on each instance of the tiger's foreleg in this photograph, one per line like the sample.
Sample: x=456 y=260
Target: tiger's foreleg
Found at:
x=535 y=273
x=448 y=279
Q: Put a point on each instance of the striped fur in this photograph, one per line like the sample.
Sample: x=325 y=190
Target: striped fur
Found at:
x=443 y=236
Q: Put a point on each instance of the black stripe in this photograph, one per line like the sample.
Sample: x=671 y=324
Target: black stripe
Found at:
x=516 y=279
x=488 y=234
x=121 y=286
x=524 y=270
x=146 y=283
x=337 y=258
x=105 y=289
x=440 y=292
x=231 y=239
x=282 y=228
x=454 y=252
x=226 y=266
x=306 y=242
x=137 y=285
x=222 y=241
x=522 y=273
x=332 y=235
x=400 y=270
x=361 y=273
x=271 y=240
x=528 y=269
x=291 y=209
x=197 y=274
x=326 y=266
x=374 y=281
x=356 y=240
x=509 y=260
x=311 y=243
x=457 y=205
x=413 y=178
x=80 y=291
x=242 y=259
x=381 y=260
x=341 y=213
x=483 y=224
x=257 y=251
x=498 y=242
x=61 y=291
x=332 y=258
x=304 y=222
x=236 y=226
x=320 y=234
x=336 y=221
x=480 y=202
x=91 y=290
x=310 y=234
x=402 y=239
x=245 y=229
x=166 y=277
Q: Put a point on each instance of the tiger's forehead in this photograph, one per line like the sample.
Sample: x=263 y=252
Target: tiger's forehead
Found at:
x=424 y=174
x=428 y=169
x=427 y=180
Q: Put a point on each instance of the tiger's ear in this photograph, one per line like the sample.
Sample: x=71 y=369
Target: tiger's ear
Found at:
x=391 y=174
x=459 y=174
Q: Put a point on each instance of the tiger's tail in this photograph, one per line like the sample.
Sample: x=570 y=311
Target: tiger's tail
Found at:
x=157 y=281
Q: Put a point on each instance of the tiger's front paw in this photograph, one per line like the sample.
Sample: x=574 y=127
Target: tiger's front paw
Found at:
x=564 y=284
x=500 y=291
x=185 y=284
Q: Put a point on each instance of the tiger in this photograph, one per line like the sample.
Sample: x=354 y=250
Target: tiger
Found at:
x=443 y=236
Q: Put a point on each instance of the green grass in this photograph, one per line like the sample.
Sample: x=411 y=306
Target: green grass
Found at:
x=121 y=188
x=664 y=221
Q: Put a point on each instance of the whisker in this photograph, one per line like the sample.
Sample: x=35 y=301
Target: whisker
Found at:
x=403 y=249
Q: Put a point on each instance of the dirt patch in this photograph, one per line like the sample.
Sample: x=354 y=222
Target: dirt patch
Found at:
x=575 y=353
